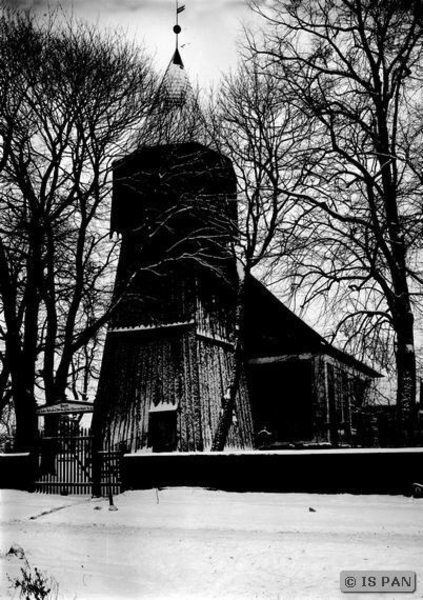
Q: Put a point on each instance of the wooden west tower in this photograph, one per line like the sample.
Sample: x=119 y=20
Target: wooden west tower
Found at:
x=169 y=348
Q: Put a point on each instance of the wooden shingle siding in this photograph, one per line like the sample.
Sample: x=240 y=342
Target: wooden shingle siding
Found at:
x=212 y=384
x=152 y=376
x=216 y=365
x=142 y=369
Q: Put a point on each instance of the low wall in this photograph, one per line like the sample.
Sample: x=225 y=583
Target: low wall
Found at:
x=363 y=471
x=17 y=471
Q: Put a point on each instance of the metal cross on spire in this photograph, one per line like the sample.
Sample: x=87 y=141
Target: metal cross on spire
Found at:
x=177 y=28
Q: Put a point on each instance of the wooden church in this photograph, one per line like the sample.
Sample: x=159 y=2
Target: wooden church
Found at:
x=169 y=346
x=170 y=343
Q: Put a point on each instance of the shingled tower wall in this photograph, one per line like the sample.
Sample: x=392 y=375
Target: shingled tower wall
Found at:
x=170 y=342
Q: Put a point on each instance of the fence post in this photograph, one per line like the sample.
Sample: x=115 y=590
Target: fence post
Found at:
x=109 y=471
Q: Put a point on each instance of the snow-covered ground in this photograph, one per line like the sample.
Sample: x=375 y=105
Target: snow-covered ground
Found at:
x=192 y=543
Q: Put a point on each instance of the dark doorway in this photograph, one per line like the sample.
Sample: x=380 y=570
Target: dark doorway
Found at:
x=282 y=399
x=162 y=431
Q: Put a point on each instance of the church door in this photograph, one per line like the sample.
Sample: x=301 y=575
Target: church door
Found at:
x=163 y=431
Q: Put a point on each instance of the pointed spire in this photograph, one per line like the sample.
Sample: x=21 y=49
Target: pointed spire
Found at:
x=175 y=89
x=175 y=116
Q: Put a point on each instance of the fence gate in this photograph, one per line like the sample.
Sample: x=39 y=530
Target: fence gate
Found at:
x=66 y=464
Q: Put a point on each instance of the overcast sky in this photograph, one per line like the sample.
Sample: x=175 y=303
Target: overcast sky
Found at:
x=209 y=29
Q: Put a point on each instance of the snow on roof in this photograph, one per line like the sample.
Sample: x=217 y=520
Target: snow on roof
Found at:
x=163 y=407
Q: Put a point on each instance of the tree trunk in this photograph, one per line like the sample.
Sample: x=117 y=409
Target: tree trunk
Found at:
x=406 y=373
x=26 y=415
x=229 y=399
x=403 y=320
x=19 y=361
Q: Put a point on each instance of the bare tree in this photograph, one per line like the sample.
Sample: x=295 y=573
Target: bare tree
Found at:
x=71 y=100
x=352 y=68
x=254 y=126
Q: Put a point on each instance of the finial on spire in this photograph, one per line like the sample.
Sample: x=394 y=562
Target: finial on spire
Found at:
x=177 y=29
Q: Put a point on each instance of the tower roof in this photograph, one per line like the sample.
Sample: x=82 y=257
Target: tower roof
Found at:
x=175 y=116
x=175 y=89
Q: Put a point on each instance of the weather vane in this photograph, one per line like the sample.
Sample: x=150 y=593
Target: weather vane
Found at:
x=177 y=28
